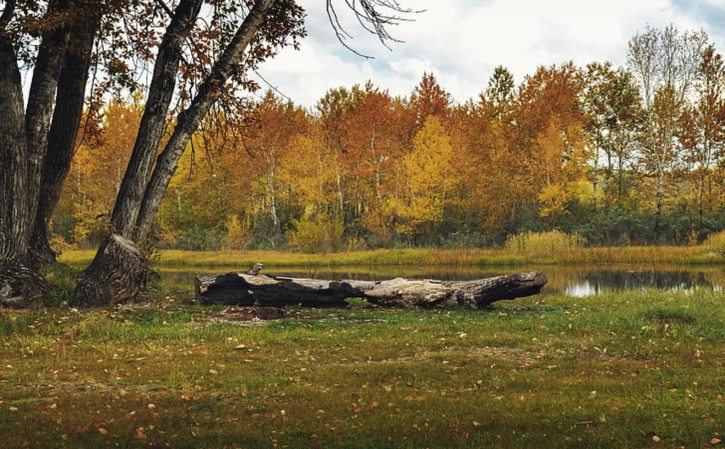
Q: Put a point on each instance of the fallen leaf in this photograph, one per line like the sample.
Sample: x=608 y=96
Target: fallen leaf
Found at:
x=140 y=434
x=103 y=431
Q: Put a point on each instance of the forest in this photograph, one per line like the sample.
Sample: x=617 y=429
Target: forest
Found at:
x=610 y=155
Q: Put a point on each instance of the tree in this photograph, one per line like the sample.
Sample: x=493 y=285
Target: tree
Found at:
x=665 y=64
x=612 y=104
x=29 y=185
x=117 y=272
x=703 y=129
x=430 y=179
x=245 y=34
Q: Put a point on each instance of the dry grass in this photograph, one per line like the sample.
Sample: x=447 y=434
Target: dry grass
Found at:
x=651 y=255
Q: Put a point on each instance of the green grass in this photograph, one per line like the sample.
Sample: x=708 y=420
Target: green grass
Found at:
x=428 y=256
x=548 y=371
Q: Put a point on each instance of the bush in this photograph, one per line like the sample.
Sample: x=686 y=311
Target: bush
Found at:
x=716 y=242
x=543 y=242
x=238 y=233
x=316 y=235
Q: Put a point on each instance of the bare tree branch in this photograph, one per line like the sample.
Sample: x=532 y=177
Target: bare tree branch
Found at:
x=374 y=16
x=7 y=14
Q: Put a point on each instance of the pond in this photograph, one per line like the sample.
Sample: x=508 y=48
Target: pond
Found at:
x=577 y=281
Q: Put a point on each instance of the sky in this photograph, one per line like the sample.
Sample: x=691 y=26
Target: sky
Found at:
x=461 y=41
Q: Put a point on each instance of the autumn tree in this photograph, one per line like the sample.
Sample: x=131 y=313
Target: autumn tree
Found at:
x=613 y=109
x=429 y=177
x=703 y=131
x=665 y=64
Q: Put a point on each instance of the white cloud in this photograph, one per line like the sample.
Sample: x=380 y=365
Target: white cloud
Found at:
x=462 y=41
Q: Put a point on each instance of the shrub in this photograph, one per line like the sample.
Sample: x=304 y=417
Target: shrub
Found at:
x=59 y=245
x=319 y=234
x=716 y=242
x=543 y=242
x=238 y=233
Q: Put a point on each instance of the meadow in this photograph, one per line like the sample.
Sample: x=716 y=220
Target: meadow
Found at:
x=621 y=369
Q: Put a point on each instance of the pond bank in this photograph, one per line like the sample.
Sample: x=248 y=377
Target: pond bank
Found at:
x=682 y=255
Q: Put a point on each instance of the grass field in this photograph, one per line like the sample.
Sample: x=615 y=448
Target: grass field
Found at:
x=428 y=256
x=619 y=370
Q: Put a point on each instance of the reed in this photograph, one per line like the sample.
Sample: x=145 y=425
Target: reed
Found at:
x=538 y=255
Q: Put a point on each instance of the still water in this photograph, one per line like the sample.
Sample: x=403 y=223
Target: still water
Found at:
x=575 y=281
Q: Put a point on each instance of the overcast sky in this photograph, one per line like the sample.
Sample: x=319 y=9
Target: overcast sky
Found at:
x=461 y=41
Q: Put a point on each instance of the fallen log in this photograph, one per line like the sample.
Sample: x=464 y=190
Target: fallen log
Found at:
x=247 y=289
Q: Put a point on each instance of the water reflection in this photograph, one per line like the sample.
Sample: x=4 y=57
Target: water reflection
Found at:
x=571 y=280
x=594 y=282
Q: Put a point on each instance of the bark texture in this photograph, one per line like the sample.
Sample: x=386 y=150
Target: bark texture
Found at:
x=23 y=146
x=248 y=289
x=20 y=286
x=67 y=115
x=16 y=282
x=189 y=119
x=117 y=274
x=153 y=120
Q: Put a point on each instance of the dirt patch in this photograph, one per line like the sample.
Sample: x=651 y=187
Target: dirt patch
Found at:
x=246 y=314
x=672 y=318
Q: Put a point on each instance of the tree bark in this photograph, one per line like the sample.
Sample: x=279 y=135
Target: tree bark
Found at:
x=248 y=289
x=41 y=96
x=189 y=119
x=16 y=284
x=153 y=120
x=67 y=116
x=105 y=281
x=117 y=274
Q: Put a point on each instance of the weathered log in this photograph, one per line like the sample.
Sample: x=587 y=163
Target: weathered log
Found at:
x=249 y=289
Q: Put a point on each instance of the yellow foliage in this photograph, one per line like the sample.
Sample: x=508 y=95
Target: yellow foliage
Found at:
x=430 y=177
x=543 y=242
x=716 y=242
x=320 y=234
x=238 y=233
x=59 y=245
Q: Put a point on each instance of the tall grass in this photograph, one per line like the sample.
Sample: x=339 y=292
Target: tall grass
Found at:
x=716 y=242
x=543 y=242
x=570 y=254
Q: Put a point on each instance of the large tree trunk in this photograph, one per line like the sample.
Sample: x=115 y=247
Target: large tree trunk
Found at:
x=118 y=272
x=23 y=134
x=139 y=198
x=62 y=135
x=248 y=289
x=105 y=281
x=15 y=220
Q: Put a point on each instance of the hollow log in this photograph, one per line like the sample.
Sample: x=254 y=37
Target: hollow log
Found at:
x=267 y=290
